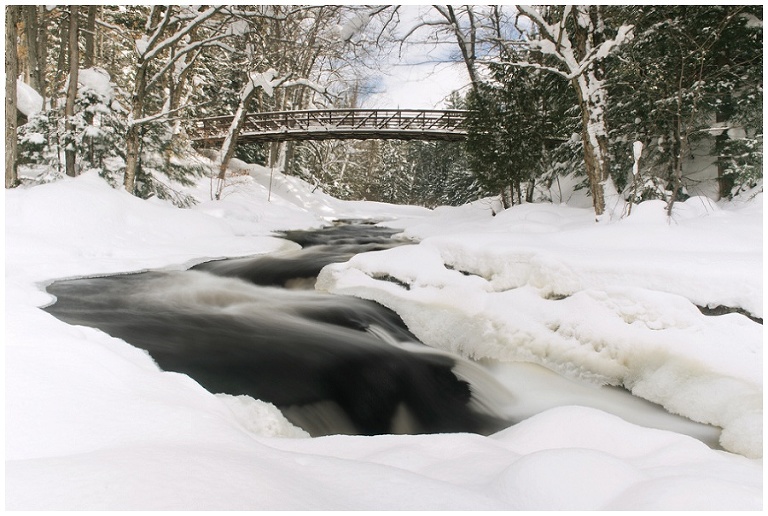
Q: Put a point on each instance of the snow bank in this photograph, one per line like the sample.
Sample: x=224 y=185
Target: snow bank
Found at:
x=257 y=199
x=612 y=304
x=83 y=226
x=93 y=424
x=545 y=463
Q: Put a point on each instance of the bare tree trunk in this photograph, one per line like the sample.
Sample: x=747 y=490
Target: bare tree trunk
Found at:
x=677 y=162
x=530 y=191
x=581 y=63
x=133 y=137
x=677 y=171
x=591 y=94
x=504 y=198
x=42 y=51
x=30 y=28
x=279 y=162
x=89 y=35
x=289 y=152
x=178 y=94
x=274 y=153
x=157 y=52
x=61 y=66
x=69 y=108
x=466 y=42
x=724 y=183
x=275 y=147
x=11 y=71
x=228 y=147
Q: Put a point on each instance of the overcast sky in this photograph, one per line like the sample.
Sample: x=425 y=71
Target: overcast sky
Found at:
x=422 y=75
x=418 y=86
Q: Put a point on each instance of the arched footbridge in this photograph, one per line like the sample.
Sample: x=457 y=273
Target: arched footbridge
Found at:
x=337 y=124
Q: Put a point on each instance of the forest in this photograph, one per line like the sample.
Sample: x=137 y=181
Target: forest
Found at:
x=637 y=102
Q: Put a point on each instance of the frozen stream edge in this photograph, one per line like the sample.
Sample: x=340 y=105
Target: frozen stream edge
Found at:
x=463 y=314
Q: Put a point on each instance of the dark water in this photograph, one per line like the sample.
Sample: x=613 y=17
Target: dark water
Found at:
x=301 y=267
x=331 y=363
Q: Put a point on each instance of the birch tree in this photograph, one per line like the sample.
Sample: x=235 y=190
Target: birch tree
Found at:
x=574 y=40
x=165 y=44
x=290 y=65
x=264 y=81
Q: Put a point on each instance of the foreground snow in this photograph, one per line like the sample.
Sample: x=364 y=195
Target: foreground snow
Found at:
x=91 y=423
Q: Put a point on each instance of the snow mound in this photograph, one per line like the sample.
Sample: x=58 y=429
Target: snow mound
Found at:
x=624 y=472
x=28 y=101
x=543 y=288
x=93 y=424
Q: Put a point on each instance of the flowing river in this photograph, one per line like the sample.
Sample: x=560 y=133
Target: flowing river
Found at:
x=332 y=364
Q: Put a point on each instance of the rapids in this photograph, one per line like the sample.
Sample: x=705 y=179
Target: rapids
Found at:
x=333 y=364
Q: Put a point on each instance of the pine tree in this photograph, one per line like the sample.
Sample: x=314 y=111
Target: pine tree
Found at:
x=515 y=123
x=441 y=174
x=688 y=88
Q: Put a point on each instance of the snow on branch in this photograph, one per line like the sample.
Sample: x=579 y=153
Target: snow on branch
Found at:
x=146 y=42
x=153 y=48
x=307 y=83
x=268 y=12
x=264 y=80
x=353 y=26
x=269 y=80
x=553 y=40
x=164 y=114
x=623 y=35
x=180 y=53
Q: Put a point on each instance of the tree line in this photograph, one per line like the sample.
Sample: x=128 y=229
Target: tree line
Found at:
x=641 y=99
x=638 y=101
x=119 y=83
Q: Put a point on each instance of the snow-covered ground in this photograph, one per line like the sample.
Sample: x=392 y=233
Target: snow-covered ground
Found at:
x=92 y=423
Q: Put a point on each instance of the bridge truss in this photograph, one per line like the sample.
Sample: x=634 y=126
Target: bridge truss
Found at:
x=339 y=124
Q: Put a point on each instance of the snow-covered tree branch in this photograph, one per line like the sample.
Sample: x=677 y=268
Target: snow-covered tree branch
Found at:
x=576 y=40
x=158 y=53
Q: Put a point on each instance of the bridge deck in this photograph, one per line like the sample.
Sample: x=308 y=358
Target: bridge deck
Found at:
x=325 y=124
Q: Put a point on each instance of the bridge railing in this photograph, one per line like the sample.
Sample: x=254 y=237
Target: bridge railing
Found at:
x=339 y=123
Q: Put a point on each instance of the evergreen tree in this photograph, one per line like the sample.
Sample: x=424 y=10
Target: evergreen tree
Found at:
x=689 y=88
x=96 y=130
x=516 y=121
x=441 y=174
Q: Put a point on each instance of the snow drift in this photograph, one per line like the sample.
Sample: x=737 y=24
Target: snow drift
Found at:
x=93 y=424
